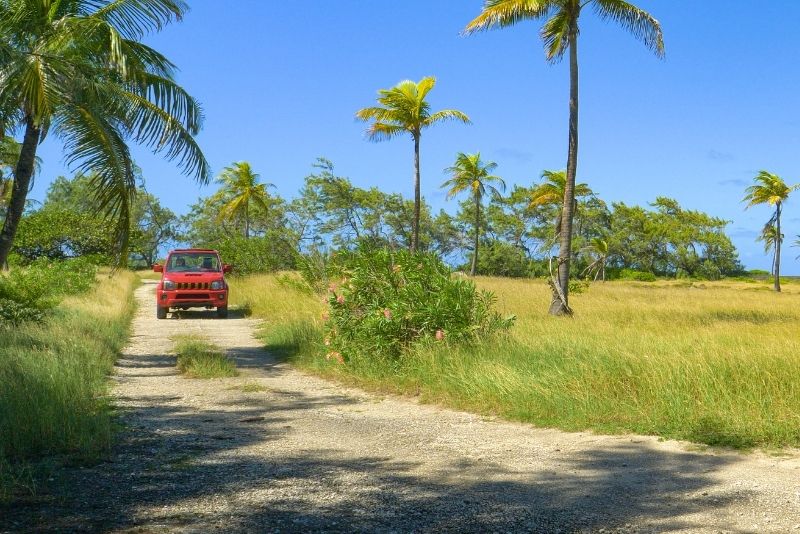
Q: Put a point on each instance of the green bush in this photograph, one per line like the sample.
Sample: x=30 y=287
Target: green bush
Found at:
x=498 y=258
x=42 y=284
x=13 y=312
x=638 y=276
x=386 y=302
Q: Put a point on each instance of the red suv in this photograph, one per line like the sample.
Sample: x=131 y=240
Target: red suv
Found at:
x=192 y=278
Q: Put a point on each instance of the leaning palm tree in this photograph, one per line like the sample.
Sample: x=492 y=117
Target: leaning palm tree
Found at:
x=403 y=109
x=560 y=34
x=241 y=189
x=77 y=69
x=551 y=193
x=771 y=189
x=471 y=174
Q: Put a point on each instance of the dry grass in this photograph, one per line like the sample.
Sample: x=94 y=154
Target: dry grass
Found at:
x=711 y=362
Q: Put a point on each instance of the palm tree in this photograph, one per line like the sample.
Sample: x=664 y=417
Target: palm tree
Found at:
x=598 y=249
x=770 y=189
x=403 y=109
x=240 y=189
x=560 y=34
x=78 y=69
x=551 y=193
x=469 y=173
x=769 y=236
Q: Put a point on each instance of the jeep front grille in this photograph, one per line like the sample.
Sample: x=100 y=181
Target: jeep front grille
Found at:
x=192 y=285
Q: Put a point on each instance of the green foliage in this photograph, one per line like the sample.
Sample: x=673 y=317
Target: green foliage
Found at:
x=197 y=358
x=41 y=285
x=638 y=276
x=265 y=253
x=499 y=258
x=13 y=312
x=57 y=234
x=387 y=302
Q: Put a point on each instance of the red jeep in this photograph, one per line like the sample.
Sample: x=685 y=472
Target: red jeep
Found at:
x=192 y=278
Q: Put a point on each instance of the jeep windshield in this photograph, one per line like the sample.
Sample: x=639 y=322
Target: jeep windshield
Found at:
x=193 y=262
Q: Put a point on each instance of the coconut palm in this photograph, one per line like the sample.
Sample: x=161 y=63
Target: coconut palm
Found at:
x=769 y=236
x=469 y=173
x=560 y=34
x=403 y=109
x=598 y=251
x=78 y=69
x=241 y=189
x=772 y=190
x=551 y=193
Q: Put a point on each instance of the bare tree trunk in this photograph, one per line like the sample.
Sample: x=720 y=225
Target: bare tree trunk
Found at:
x=557 y=306
x=778 y=247
x=417 y=199
x=474 y=267
x=19 y=191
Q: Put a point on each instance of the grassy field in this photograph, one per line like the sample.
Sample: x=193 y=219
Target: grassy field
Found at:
x=54 y=378
x=709 y=362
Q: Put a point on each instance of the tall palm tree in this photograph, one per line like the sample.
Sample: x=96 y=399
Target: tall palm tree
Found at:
x=469 y=173
x=403 y=109
x=772 y=190
x=241 y=189
x=560 y=34
x=78 y=69
x=551 y=193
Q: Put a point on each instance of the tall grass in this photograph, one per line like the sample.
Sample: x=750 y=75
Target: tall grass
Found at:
x=198 y=358
x=713 y=363
x=54 y=376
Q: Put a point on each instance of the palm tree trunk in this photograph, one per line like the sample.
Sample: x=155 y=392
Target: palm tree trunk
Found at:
x=19 y=192
x=778 y=248
x=247 y=221
x=474 y=267
x=417 y=199
x=557 y=307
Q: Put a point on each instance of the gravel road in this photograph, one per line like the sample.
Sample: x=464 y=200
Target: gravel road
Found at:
x=274 y=450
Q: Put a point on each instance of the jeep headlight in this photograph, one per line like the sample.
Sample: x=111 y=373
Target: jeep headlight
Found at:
x=217 y=285
x=169 y=285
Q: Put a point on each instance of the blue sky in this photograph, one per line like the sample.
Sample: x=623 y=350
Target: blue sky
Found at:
x=280 y=83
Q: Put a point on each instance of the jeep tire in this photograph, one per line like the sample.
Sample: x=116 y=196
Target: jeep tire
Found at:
x=222 y=312
x=161 y=313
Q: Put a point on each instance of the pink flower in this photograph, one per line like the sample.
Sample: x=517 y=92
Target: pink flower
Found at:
x=340 y=299
x=439 y=335
x=325 y=316
x=332 y=288
x=388 y=314
x=339 y=358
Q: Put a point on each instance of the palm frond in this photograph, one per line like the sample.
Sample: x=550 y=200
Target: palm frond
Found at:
x=447 y=114
x=136 y=18
x=638 y=22
x=504 y=13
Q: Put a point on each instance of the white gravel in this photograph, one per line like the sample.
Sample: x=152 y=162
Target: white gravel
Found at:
x=305 y=454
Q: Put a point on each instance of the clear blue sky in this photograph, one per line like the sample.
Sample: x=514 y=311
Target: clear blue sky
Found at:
x=281 y=81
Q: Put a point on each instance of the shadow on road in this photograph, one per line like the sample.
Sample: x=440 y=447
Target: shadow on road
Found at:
x=238 y=467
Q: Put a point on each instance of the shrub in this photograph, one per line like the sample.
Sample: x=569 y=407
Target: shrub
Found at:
x=42 y=284
x=639 y=276
x=197 y=358
x=386 y=302
x=13 y=312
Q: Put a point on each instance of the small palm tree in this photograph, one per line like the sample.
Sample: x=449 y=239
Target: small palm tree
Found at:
x=772 y=190
x=769 y=236
x=551 y=193
x=404 y=110
x=471 y=174
x=598 y=249
x=560 y=35
x=79 y=70
x=241 y=189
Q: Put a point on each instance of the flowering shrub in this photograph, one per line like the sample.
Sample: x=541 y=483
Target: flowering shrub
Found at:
x=383 y=303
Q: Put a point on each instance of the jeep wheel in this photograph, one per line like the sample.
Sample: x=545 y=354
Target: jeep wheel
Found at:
x=222 y=312
x=161 y=313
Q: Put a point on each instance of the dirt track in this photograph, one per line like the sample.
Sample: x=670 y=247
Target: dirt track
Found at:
x=302 y=454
